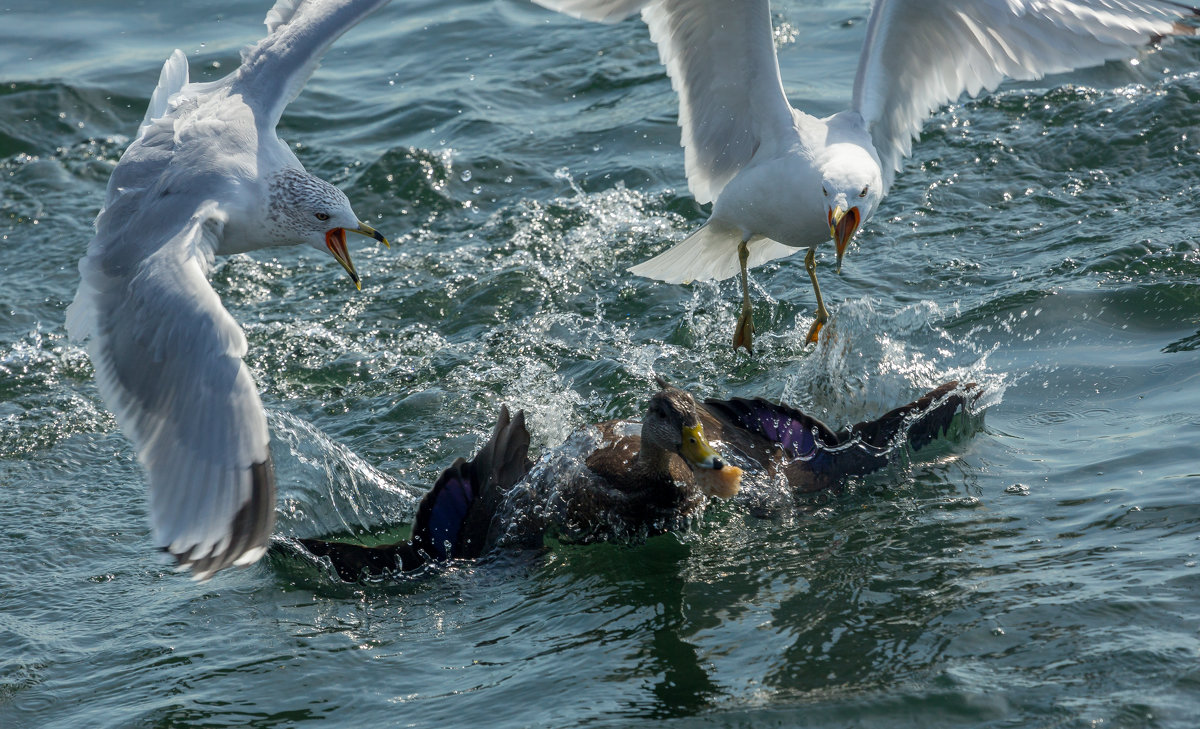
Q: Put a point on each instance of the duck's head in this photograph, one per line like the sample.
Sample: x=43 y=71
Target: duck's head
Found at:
x=306 y=209
x=672 y=425
x=852 y=186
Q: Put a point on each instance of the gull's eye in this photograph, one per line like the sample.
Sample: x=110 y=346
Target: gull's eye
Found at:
x=322 y=217
x=824 y=191
x=864 y=191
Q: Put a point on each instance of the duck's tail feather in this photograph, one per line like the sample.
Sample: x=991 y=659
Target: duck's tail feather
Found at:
x=917 y=423
x=453 y=518
x=709 y=253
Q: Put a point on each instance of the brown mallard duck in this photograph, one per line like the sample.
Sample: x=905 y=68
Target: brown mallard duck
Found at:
x=637 y=481
x=634 y=482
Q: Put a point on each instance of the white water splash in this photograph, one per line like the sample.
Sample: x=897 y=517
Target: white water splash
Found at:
x=325 y=488
x=869 y=361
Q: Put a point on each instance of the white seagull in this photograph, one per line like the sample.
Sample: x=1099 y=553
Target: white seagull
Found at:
x=206 y=176
x=780 y=179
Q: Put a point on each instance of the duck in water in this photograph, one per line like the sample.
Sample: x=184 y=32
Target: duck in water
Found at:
x=634 y=483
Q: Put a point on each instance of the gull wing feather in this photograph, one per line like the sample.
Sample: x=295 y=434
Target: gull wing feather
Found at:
x=921 y=54
x=171 y=80
x=720 y=57
x=275 y=69
x=168 y=360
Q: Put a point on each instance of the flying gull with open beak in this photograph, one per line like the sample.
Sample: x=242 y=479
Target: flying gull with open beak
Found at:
x=206 y=176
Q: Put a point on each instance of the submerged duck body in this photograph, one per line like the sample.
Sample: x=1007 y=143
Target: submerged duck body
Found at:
x=630 y=482
x=641 y=479
x=637 y=480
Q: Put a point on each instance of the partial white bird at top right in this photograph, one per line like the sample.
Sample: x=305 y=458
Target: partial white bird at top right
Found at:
x=780 y=179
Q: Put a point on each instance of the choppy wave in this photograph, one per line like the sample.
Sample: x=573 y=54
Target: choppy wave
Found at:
x=1041 y=241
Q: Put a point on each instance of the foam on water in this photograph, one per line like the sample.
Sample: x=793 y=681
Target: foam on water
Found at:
x=869 y=361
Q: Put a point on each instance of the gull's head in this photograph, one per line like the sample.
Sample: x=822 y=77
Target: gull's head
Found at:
x=852 y=187
x=306 y=209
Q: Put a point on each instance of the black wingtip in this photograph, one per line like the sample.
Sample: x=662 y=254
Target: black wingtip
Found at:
x=250 y=529
x=1179 y=27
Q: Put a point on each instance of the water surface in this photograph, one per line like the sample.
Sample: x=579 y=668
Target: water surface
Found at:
x=1040 y=571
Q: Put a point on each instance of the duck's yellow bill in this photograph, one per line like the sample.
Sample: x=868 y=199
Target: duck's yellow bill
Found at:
x=713 y=475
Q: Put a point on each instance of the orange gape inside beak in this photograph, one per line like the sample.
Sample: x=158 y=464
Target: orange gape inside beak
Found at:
x=842 y=227
x=335 y=240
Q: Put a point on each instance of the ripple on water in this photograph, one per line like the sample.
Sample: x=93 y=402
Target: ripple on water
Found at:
x=1040 y=241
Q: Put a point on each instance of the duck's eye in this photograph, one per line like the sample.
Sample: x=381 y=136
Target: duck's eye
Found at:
x=322 y=217
x=864 y=191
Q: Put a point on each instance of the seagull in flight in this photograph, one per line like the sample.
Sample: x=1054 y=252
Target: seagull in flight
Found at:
x=781 y=180
x=206 y=176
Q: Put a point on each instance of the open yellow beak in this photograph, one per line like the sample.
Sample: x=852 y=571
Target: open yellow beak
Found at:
x=335 y=240
x=713 y=475
x=842 y=226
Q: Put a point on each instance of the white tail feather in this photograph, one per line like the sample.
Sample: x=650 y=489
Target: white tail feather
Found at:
x=709 y=253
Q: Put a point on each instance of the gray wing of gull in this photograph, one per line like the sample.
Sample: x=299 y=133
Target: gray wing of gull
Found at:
x=168 y=360
x=720 y=57
x=921 y=54
x=299 y=32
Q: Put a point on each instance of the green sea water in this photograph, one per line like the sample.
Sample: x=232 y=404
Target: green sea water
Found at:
x=1039 y=570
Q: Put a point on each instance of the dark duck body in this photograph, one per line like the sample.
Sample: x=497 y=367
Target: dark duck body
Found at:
x=809 y=455
x=637 y=484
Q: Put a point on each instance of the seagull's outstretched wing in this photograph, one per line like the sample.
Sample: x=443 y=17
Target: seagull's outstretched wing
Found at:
x=275 y=69
x=921 y=54
x=168 y=360
x=720 y=56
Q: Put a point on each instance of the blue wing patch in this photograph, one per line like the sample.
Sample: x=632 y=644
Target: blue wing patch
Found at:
x=800 y=436
x=443 y=510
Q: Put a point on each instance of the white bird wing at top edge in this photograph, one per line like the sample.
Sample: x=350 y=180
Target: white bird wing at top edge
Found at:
x=299 y=32
x=168 y=360
x=720 y=57
x=921 y=54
